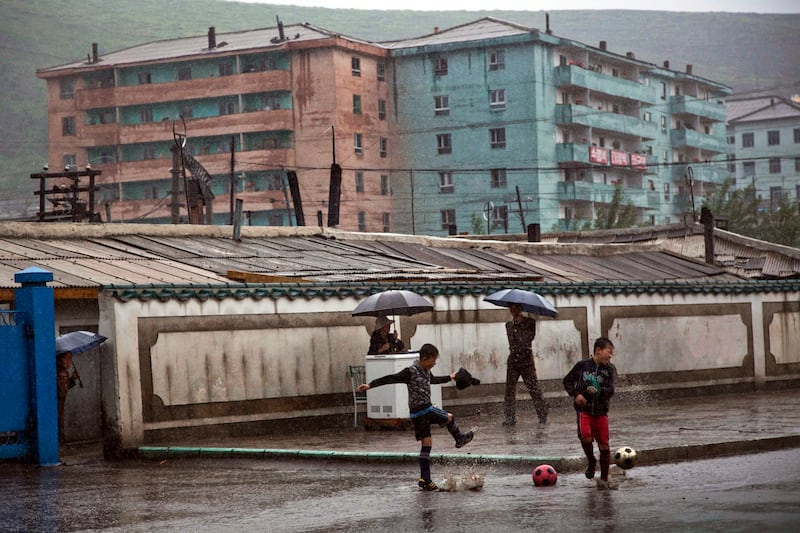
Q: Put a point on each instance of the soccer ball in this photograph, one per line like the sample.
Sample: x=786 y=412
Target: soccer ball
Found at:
x=625 y=457
x=544 y=476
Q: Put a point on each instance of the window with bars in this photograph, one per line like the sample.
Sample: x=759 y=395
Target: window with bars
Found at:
x=497 y=60
x=773 y=137
x=382 y=109
x=748 y=140
x=355 y=66
x=497 y=99
x=440 y=65
x=498 y=178
x=381 y=71
x=227 y=107
x=68 y=126
x=384 y=150
x=448 y=218
x=441 y=105
x=775 y=165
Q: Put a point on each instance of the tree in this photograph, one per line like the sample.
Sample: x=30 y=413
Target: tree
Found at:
x=616 y=215
x=779 y=224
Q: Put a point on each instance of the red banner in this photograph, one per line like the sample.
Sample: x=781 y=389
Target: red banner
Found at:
x=598 y=155
x=639 y=161
x=619 y=158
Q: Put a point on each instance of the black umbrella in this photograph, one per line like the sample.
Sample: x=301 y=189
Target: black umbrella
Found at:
x=393 y=302
x=77 y=342
x=530 y=301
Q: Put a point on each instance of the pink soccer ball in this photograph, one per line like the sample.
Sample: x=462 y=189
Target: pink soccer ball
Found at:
x=544 y=476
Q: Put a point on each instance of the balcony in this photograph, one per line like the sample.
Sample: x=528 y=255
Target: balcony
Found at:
x=257 y=121
x=689 y=105
x=179 y=91
x=685 y=138
x=584 y=192
x=574 y=76
x=573 y=153
x=567 y=114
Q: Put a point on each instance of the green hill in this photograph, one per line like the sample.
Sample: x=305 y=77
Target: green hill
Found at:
x=748 y=52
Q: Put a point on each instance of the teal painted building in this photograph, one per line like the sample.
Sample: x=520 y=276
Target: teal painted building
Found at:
x=498 y=126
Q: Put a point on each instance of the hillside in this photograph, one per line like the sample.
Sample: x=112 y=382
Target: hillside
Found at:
x=745 y=51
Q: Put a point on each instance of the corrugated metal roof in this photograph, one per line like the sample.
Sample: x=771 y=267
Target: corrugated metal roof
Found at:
x=760 y=108
x=142 y=255
x=227 y=43
x=479 y=30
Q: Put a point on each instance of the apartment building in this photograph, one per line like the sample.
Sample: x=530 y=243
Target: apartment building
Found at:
x=489 y=126
x=498 y=126
x=286 y=98
x=764 y=141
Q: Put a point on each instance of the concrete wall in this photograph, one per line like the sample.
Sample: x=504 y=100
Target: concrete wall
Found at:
x=194 y=365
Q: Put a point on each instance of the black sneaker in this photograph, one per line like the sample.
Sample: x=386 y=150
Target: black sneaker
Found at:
x=427 y=486
x=590 y=468
x=468 y=436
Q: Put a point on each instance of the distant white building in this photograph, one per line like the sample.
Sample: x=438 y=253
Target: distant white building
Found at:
x=764 y=137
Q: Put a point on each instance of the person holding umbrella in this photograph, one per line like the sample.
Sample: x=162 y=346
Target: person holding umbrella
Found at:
x=64 y=382
x=382 y=340
x=521 y=331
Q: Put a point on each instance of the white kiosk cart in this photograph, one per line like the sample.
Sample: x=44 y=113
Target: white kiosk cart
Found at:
x=391 y=401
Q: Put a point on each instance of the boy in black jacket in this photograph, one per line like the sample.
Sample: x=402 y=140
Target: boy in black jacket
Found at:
x=423 y=413
x=591 y=384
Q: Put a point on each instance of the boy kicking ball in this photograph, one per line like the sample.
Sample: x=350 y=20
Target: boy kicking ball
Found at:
x=418 y=379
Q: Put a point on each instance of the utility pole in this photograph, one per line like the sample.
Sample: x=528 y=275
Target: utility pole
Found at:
x=690 y=182
x=521 y=212
x=233 y=181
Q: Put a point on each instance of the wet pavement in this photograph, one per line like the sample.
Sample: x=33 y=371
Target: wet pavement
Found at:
x=660 y=430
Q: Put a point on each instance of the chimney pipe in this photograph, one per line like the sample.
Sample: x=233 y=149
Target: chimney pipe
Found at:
x=212 y=37
x=666 y=63
x=95 y=56
x=630 y=55
x=603 y=45
x=436 y=29
x=547 y=30
x=688 y=69
x=281 y=34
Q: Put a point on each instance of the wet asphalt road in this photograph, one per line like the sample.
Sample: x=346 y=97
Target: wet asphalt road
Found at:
x=759 y=492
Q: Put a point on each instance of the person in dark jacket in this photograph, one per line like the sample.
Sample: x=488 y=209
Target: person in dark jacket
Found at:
x=591 y=385
x=382 y=340
x=521 y=331
x=418 y=379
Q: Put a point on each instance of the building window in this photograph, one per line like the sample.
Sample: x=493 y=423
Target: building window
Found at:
x=775 y=195
x=355 y=66
x=663 y=124
x=440 y=66
x=148 y=153
x=498 y=178
x=500 y=216
x=749 y=168
x=70 y=161
x=356 y=104
x=773 y=138
x=497 y=60
x=448 y=218
x=663 y=90
x=646 y=116
x=68 y=126
x=797 y=135
x=146 y=116
x=382 y=109
x=386 y=222
x=358 y=140
x=227 y=107
x=226 y=69
x=268 y=63
x=381 y=69
x=497 y=137
x=359 y=182
x=731 y=139
x=384 y=185
x=748 y=140
x=66 y=88
x=666 y=191
x=187 y=111
x=446 y=182
x=184 y=73
x=797 y=164
x=362 y=221
x=497 y=99
x=144 y=78
x=775 y=165
x=270 y=102
x=731 y=164
x=441 y=105
x=443 y=143
x=384 y=150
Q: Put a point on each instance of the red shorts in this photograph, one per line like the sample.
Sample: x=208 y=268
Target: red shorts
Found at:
x=593 y=428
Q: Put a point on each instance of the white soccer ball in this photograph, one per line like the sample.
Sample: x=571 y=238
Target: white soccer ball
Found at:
x=625 y=457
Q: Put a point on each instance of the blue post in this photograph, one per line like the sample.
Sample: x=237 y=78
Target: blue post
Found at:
x=35 y=299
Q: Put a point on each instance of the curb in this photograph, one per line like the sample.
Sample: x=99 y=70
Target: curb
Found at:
x=673 y=454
